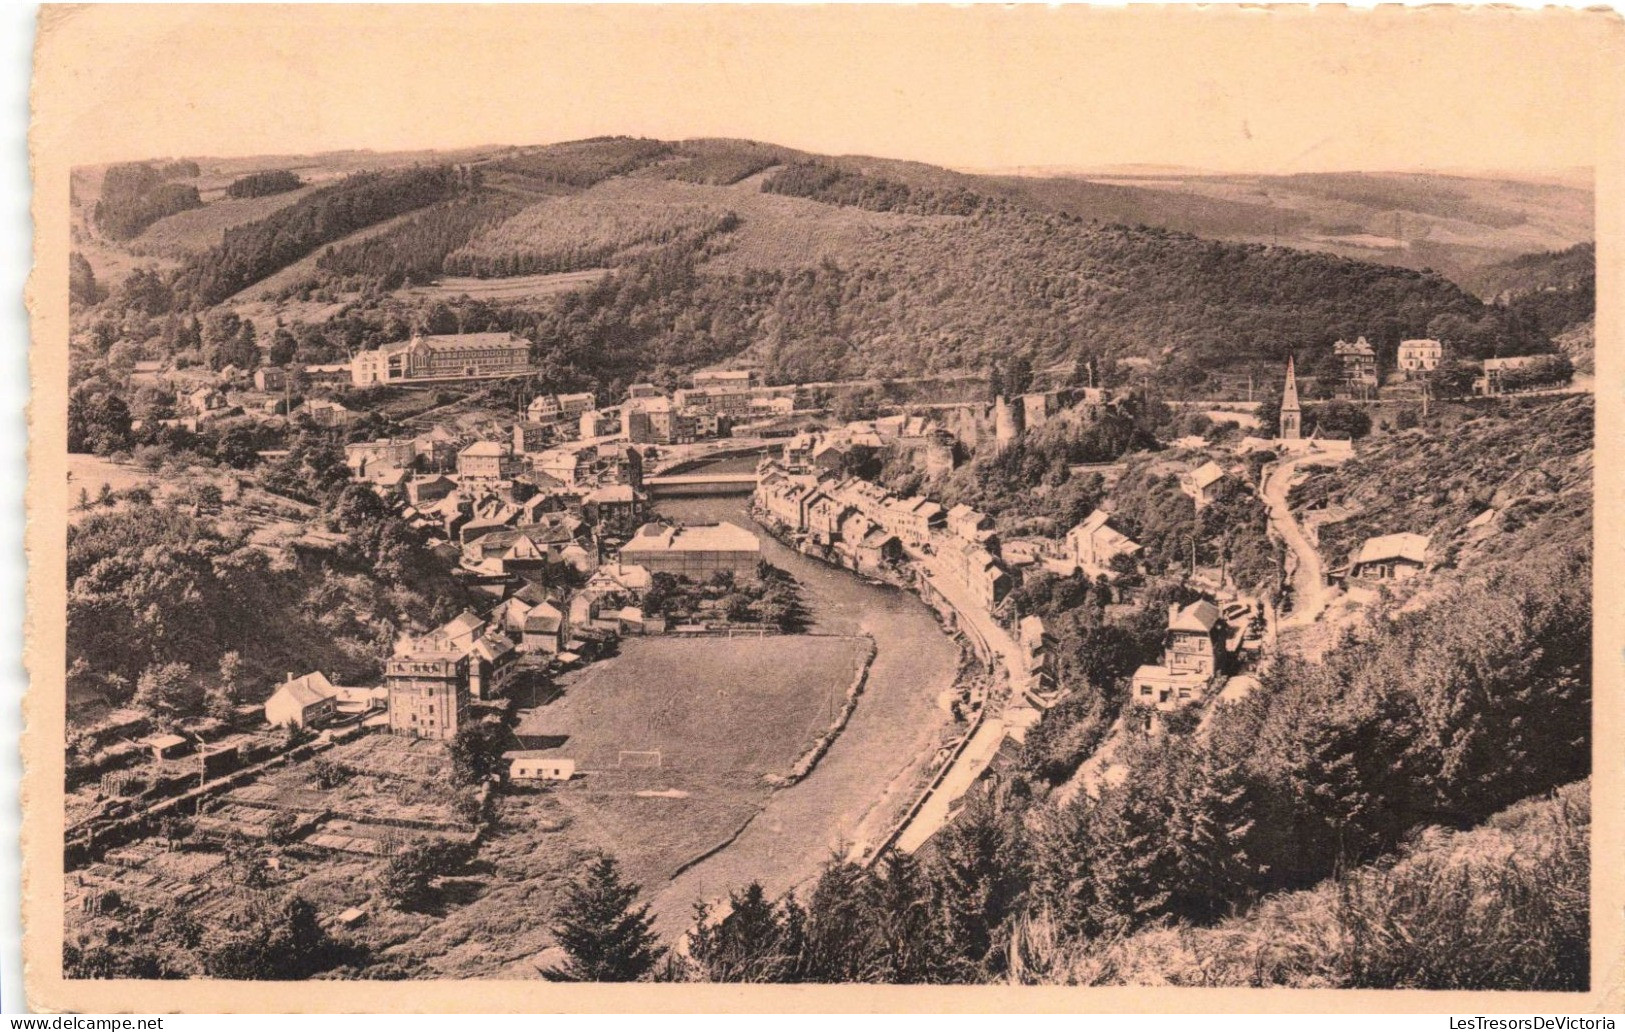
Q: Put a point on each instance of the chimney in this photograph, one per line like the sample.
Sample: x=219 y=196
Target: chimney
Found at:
x=1173 y=611
x=290 y=677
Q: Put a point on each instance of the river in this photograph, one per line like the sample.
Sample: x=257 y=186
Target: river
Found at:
x=872 y=772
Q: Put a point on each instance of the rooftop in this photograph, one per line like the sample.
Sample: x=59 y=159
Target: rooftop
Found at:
x=706 y=537
x=1393 y=546
x=1199 y=617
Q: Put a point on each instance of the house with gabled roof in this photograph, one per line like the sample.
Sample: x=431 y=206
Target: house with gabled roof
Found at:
x=1390 y=557
x=1094 y=543
x=1201 y=483
x=308 y=701
x=1193 y=655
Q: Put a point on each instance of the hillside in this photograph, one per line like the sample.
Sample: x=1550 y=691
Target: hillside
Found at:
x=1501 y=906
x=816 y=268
x=1526 y=463
x=1454 y=224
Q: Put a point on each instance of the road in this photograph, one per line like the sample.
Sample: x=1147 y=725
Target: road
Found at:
x=1309 y=594
x=978 y=753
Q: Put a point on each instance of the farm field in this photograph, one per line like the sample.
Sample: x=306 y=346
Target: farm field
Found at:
x=191 y=232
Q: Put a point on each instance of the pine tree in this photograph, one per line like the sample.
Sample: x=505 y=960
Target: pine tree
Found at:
x=608 y=938
x=977 y=876
x=840 y=939
x=753 y=943
x=913 y=949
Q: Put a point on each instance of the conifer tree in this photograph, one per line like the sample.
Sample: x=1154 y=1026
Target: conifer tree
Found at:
x=977 y=877
x=608 y=937
x=753 y=943
x=840 y=939
x=913 y=949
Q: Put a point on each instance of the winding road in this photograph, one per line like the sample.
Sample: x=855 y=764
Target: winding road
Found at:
x=1309 y=595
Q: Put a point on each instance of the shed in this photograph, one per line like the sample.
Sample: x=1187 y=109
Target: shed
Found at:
x=166 y=746
x=538 y=765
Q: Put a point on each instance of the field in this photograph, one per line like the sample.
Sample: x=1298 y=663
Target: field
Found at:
x=712 y=705
x=722 y=713
x=192 y=232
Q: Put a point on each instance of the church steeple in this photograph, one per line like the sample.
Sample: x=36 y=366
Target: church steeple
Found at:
x=1291 y=413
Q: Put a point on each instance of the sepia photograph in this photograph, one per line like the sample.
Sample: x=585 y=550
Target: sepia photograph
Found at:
x=934 y=519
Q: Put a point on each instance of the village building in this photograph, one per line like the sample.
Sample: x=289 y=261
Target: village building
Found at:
x=270 y=378
x=620 y=579
x=968 y=524
x=544 y=408
x=1037 y=652
x=533 y=437
x=327 y=413
x=1202 y=483
x=824 y=516
x=543 y=630
x=737 y=378
x=1291 y=411
x=783 y=496
x=366 y=458
x=1095 y=543
x=458 y=356
x=428 y=692
x=309 y=701
x=421 y=491
x=1390 y=557
x=695 y=551
x=615 y=504
x=1193 y=654
x=487 y=461
x=720 y=400
x=1420 y=355
x=206 y=399
x=1492 y=382
x=538 y=765
x=865 y=543
x=491 y=665
x=982 y=573
x=913 y=519
x=1359 y=360
x=595 y=423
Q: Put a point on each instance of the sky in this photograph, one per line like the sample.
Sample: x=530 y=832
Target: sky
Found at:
x=1276 y=91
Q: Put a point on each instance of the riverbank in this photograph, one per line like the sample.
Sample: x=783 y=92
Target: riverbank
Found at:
x=871 y=773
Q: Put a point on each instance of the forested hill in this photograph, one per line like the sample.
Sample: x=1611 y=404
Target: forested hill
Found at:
x=813 y=268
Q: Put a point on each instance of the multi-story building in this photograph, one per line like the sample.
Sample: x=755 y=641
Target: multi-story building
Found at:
x=729 y=378
x=733 y=401
x=428 y=693
x=459 y=356
x=1193 y=654
x=1420 y=355
x=487 y=460
x=1359 y=364
x=1094 y=543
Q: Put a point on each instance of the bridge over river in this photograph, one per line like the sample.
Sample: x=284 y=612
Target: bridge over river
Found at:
x=689 y=485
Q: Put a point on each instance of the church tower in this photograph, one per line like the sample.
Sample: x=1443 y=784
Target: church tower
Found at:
x=1291 y=414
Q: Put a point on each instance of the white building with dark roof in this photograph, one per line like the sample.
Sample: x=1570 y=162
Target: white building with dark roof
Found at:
x=695 y=551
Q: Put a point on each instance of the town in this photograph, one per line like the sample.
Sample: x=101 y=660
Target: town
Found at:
x=404 y=623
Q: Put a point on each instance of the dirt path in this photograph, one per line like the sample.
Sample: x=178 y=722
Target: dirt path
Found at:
x=1308 y=573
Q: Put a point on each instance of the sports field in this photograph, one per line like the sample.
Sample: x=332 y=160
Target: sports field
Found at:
x=720 y=712
x=707 y=705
